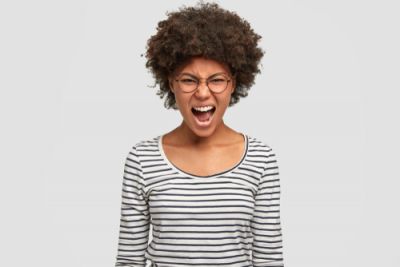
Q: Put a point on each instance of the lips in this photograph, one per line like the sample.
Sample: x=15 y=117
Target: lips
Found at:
x=195 y=112
x=203 y=105
x=203 y=119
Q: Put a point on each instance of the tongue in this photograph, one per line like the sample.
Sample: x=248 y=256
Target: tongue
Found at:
x=203 y=116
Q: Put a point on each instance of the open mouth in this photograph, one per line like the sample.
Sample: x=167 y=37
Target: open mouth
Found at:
x=203 y=116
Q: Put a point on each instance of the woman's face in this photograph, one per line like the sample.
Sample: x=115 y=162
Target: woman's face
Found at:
x=201 y=69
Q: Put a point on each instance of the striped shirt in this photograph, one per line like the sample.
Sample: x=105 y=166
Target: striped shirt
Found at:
x=231 y=218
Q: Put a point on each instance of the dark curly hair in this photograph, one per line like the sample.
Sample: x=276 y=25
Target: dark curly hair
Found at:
x=209 y=31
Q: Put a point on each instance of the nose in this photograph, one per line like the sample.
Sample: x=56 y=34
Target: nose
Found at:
x=202 y=89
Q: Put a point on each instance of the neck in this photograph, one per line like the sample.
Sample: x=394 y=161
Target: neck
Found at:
x=207 y=139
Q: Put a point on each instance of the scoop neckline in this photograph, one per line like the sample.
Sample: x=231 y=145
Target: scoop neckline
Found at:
x=184 y=173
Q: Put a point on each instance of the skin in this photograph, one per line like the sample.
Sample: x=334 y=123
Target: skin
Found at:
x=219 y=146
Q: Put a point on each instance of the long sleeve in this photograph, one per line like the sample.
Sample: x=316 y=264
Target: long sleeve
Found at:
x=266 y=225
x=134 y=224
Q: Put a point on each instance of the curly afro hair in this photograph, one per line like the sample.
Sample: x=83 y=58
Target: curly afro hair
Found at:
x=209 y=31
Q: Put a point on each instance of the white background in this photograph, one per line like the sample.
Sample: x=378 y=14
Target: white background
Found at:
x=75 y=96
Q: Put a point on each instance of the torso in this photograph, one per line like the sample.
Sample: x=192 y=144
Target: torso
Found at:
x=206 y=161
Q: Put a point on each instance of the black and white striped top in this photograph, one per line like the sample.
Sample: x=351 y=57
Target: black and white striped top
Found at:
x=230 y=218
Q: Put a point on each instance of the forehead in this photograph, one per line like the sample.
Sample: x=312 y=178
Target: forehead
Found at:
x=203 y=67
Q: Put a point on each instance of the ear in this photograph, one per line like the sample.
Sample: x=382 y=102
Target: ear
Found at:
x=170 y=86
x=233 y=86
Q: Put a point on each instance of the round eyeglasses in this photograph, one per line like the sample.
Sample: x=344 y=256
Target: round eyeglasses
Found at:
x=216 y=83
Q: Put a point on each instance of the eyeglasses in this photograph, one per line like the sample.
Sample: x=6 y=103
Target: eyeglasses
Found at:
x=217 y=83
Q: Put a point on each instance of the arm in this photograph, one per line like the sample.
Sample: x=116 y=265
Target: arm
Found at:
x=266 y=225
x=134 y=224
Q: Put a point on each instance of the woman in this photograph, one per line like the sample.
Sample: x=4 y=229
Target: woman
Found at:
x=210 y=193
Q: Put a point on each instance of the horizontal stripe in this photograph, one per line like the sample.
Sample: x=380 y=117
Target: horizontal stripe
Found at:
x=231 y=218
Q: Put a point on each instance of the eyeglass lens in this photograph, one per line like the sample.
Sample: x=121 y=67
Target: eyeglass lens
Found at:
x=216 y=84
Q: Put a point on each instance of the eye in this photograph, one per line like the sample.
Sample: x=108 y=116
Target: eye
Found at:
x=188 y=81
x=218 y=80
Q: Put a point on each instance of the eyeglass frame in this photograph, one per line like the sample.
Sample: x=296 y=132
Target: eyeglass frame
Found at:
x=230 y=78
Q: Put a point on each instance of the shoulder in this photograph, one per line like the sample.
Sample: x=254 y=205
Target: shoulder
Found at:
x=263 y=148
x=143 y=147
x=137 y=154
x=259 y=144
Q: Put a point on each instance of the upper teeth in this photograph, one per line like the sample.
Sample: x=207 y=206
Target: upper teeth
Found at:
x=203 y=109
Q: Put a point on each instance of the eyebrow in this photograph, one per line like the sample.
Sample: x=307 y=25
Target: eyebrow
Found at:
x=194 y=76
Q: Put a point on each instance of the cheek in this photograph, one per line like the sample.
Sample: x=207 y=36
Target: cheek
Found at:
x=223 y=103
x=182 y=103
x=227 y=98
